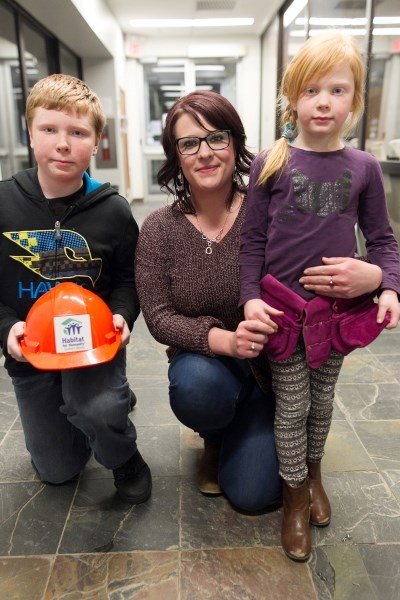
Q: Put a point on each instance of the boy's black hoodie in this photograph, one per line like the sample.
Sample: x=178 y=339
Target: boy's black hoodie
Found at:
x=88 y=238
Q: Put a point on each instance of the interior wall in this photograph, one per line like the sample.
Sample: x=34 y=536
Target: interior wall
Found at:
x=269 y=79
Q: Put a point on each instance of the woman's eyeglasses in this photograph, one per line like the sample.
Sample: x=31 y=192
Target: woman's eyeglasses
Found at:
x=216 y=140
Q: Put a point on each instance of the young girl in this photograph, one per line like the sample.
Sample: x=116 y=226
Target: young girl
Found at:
x=305 y=197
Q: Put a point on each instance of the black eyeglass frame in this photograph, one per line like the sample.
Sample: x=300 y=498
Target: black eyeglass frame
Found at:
x=203 y=139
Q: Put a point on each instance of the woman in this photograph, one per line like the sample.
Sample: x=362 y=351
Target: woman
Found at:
x=187 y=276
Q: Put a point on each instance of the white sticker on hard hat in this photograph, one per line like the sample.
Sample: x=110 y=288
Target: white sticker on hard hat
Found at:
x=72 y=333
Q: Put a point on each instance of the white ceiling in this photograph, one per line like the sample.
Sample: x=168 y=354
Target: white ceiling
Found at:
x=261 y=11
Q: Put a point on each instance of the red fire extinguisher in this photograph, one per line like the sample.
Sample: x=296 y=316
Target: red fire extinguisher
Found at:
x=105 y=145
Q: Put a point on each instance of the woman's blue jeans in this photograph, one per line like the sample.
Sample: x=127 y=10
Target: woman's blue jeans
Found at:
x=67 y=415
x=220 y=399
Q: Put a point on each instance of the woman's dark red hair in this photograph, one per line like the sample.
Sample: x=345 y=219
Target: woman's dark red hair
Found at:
x=213 y=108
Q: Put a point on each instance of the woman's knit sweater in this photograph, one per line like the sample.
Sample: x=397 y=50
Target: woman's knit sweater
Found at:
x=183 y=291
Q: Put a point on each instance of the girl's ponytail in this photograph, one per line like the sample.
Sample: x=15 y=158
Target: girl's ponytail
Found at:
x=278 y=156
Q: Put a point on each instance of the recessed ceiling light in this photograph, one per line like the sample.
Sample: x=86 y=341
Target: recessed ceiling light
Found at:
x=157 y=23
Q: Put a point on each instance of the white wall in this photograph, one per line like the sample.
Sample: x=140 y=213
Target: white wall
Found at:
x=135 y=111
x=107 y=77
x=269 y=79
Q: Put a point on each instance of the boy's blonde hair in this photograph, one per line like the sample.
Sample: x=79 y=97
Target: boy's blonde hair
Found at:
x=318 y=56
x=64 y=92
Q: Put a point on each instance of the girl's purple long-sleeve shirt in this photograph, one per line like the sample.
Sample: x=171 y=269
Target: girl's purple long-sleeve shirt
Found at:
x=309 y=211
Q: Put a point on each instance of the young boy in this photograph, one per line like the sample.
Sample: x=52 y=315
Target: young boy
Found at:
x=57 y=224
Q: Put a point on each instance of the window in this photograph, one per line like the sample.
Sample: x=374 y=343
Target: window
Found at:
x=13 y=139
x=42 y=54
x=383 y=120
x=69 y=63
x=166 y=80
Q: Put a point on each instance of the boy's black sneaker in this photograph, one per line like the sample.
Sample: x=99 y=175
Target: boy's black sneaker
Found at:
x=133 y=480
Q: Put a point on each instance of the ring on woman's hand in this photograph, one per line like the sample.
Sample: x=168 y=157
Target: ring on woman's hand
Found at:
x=252 y=347
x=331 y=284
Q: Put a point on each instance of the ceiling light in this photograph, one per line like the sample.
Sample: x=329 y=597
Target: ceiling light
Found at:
x=344 y=21
x=339 y=21
x=386 y=20
x=171 y=88
x=209 y=68
x=294 y=9
x=168 y=69
x=386 y=31
x=172 y=94
x=354 y=32
x=392 y=31
x=156 y=23
x=168 y=62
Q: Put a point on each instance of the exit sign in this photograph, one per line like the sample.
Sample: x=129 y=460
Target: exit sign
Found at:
x=396 y=46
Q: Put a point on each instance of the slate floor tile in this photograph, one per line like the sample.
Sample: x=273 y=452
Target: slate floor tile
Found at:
x=144 y=575
x=33 y=517
x=24 y=578
x=382 y=564
x=100 y=522
x=339 y=573
x=243 y=574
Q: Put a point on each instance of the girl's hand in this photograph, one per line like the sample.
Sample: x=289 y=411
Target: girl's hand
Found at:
x=341 y=277
x=258 y=310
x=388 y=302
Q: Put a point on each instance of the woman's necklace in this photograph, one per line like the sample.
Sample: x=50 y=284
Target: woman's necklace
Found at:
x=210 y=241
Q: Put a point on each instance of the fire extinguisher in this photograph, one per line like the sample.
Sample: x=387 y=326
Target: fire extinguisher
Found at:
x=105 y=145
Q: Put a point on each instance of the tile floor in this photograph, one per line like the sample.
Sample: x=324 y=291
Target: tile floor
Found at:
x=80 y=542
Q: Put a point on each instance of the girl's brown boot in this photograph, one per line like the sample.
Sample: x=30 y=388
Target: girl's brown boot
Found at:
x=296 y=533
x=320 y=508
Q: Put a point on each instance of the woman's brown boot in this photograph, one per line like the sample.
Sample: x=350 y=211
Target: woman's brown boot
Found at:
x=296 y=533
x=207 y=475
x=320 y=508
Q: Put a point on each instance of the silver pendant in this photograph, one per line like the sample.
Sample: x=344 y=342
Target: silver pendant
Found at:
x=209 y=247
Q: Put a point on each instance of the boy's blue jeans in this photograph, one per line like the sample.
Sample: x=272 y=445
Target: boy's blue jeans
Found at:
x=67 y=415
x=219 y=398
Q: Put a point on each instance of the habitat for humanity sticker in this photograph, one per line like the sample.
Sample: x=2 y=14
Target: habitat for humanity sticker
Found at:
x=72 y=333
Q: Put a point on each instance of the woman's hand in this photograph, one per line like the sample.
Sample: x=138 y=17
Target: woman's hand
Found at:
x=341 y=277
x=246 y=342
x=13 y=341
x=249 y=338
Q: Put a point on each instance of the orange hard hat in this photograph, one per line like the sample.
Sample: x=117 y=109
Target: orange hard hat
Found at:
x=69 y=327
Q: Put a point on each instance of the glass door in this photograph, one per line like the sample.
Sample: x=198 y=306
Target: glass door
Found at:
x=166 y=80
x=12 y=121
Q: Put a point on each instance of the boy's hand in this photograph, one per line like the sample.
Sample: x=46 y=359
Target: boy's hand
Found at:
x=13 y=341
x=120 y=323
x=258 y=310
x=388 y=302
